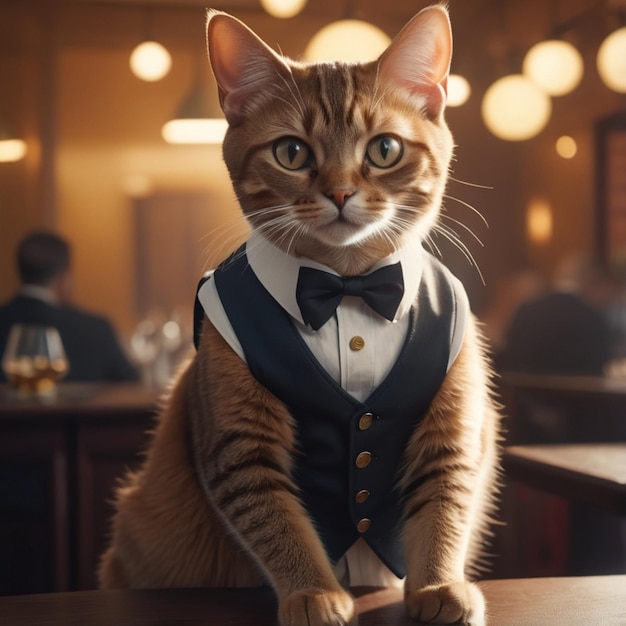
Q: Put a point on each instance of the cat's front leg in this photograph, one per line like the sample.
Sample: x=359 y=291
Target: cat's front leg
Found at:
x=244 y=442
x=451 y=474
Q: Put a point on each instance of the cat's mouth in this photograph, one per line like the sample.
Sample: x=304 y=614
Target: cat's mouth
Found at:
x=347 y=229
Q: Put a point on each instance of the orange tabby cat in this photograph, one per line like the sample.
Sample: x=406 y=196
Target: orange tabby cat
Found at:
x=314 y=446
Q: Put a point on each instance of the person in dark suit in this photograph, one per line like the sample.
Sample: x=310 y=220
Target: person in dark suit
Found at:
x=563 y=331
x=91 y=345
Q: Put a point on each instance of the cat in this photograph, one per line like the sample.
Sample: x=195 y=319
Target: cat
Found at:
x=288 y=452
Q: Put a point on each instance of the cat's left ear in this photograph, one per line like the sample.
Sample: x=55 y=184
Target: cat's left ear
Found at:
x=242 y=62
x=418 y=59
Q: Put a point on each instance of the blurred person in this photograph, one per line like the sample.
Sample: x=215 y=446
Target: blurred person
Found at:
x=44 y=298
x=564 y=330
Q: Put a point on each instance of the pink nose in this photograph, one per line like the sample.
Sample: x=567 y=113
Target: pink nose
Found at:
x=339 y=196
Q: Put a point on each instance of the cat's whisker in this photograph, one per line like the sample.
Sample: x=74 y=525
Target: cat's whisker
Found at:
x=457 y=244
x=271 y=209
x=384 y=232
x=470 y=207
x=454 y=239
x=464 y=226
x=297 y=232
x=222 y=240
x=276 y=226
x=377 y=98
x=281 y=228
x=291 y=86
x=468 y=184
x=288 y=103
x=430 y=242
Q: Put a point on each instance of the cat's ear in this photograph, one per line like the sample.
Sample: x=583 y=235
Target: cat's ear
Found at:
x=418 y=59
x=242 y=63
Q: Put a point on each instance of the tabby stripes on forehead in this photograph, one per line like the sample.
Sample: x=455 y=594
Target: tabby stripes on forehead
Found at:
x=338 y=93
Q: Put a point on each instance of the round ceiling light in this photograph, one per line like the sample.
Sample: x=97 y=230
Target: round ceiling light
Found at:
x=283 y=8
x=566 y=147
x=150 y=61
x=347 y=40
x=459 y=90
x=611 y=61
x=555 y=65
x=514 y=108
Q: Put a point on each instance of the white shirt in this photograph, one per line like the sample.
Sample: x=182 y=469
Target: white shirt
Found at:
x=359 y=370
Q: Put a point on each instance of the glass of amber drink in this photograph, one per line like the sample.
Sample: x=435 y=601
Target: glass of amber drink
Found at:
x=34 y=359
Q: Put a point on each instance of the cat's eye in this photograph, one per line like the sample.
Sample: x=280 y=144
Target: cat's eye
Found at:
x=292 y=153
x=384 y=151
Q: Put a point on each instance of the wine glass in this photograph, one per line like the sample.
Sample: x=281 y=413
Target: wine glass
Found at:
x=34 y=359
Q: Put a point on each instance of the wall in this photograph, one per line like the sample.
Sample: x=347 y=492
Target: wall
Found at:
x=93 y=132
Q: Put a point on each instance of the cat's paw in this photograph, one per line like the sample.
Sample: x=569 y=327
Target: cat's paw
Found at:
x=317 y=607
x=452 y=603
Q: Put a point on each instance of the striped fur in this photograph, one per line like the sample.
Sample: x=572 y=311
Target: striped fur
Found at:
x=214 y=503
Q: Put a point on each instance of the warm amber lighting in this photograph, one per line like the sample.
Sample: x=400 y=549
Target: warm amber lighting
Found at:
x=514 y=108
x=283 y=8
x=137 y=185
x=347 y=40
x=566 y=147
x=150 y=61
x=539 y=221
x=555 y=65
x=459 y=90
x=611 y=60
x=194 y=131
x=199 y=119
x=12 y=150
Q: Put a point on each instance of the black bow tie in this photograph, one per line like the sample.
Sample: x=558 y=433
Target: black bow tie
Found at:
x=319 y=293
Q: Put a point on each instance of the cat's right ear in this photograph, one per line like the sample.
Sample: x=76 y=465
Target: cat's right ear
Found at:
x=242 y=63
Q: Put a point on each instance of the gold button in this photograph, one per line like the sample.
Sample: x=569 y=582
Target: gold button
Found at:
x=363 y=459
x=357 y=343
x=365 y=421
x=362 y=496
x=364 y=525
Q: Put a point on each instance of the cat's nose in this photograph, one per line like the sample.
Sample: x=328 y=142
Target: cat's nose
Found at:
x=340 y=196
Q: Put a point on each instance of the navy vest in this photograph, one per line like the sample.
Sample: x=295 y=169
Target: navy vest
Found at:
x=348 y=494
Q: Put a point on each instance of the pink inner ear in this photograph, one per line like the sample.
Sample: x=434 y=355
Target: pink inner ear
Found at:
x=419 y=57
x=224 y=52
x=242 y=63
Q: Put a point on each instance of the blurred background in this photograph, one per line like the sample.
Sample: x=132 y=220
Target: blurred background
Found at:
x=535 y=212
x=146 y=217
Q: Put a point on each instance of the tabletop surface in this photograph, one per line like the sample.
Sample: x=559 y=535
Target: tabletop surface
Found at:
x=604 y=385
x=77 y=399
x=606 y=462
x=586 y=601
x=590 y=473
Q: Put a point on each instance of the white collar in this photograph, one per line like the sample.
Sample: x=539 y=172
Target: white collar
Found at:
x=278 y=272
x=39 y=292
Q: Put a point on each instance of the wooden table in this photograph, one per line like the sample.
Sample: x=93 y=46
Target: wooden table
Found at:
x=60 y=458
x=563 y=409
x=558 y=384
x=591 y=601
x=591 y=473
